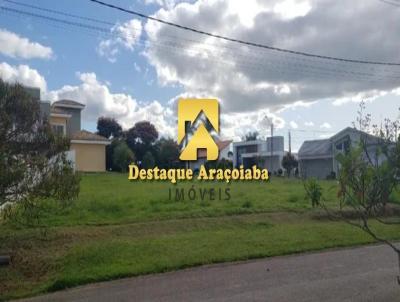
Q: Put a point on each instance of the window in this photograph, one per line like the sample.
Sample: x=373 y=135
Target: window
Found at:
x=58 y=129
x=347 y=146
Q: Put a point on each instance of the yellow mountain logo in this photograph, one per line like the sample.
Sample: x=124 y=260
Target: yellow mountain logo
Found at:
x=189 y=111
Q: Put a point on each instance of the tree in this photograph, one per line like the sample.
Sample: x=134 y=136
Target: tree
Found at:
x=108 y=127
x=141 y=137
x=33 y=164
x=148 y=160
x=251 y=136
x=368 y=176
x=289 y=162
x=167 y=153
x=122 y=156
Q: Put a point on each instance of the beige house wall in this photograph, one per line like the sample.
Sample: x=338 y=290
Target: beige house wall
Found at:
x=89 y=157
x=56 y=120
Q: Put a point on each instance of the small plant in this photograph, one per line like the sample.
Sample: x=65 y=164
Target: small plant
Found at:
x=293 y=198
x=247 y=204
x=331 y=176
x=313 y=191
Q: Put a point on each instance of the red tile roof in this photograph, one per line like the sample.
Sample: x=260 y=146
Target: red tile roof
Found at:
x=60 y=103
x=87 y=136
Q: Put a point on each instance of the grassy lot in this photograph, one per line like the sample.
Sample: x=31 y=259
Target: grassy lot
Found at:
x=117 y=229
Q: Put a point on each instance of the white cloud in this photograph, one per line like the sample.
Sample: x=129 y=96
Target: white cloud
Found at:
x=247 y=79
x=163 y=3
x=22 y=74
x=137 y=67
x=293 y=125
x=289 y=9
x=361 y=96
x=125 y=35
x=100 y=101
x=15 y=46
x=326 y=135
x=325 y=126
x=308 y=124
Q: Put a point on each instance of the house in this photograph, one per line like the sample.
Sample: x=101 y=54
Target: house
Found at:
x=87 y=150
x=317 y=158
x=263 y=153
x=224 y=148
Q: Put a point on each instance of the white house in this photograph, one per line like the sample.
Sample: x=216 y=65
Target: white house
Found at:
x=263 y=153
x=317 y=158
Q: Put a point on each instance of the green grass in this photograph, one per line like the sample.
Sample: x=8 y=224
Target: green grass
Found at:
x=112 y=199
x=118 y=229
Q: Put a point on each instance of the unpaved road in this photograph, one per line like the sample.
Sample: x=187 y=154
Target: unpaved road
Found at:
x=359 y=274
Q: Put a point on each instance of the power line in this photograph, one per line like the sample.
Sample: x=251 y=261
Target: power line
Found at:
x=354 y=74
x=247 y=61
x=187 y=28
x=87 y=26
x=258 y=65
x=57 y=12
x=393 y=3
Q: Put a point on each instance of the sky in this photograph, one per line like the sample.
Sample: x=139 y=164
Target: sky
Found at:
x=134 y=69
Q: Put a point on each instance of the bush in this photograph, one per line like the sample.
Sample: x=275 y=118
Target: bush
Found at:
x=218 y=164
x=293 y=198
x=122 y=157
x=289 y=162
x=224 y=164
x=148 y=160
x=313 y=191
x=331 y=176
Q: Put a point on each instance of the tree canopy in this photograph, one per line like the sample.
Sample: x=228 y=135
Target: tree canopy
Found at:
x=141 y=137
x=107 y=127
x=33 y=163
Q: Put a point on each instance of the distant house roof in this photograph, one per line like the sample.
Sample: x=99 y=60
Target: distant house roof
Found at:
x=68 y=104
x=83 y=136
x=321 y=148
x=369 y=138
x=58 y=111
x=202 y=153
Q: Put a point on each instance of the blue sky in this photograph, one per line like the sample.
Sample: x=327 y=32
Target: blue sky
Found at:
x=132 y=81
x=76 y=51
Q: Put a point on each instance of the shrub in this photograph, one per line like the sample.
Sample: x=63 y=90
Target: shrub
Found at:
x=293 y=198
x=331 y=176
x=122 y=157
x=313 y=191
x=148 y=160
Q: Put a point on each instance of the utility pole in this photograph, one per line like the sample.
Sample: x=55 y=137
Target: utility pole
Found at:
x=272 y=146
x=271 y=124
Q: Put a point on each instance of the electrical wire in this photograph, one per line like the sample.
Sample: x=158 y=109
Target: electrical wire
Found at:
x=296 y=58
x=57 y=12
x=187 y=28
x=256 y=64
x=393 y=3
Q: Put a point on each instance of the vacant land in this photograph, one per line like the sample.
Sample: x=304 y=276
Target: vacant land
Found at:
x=117 y=228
